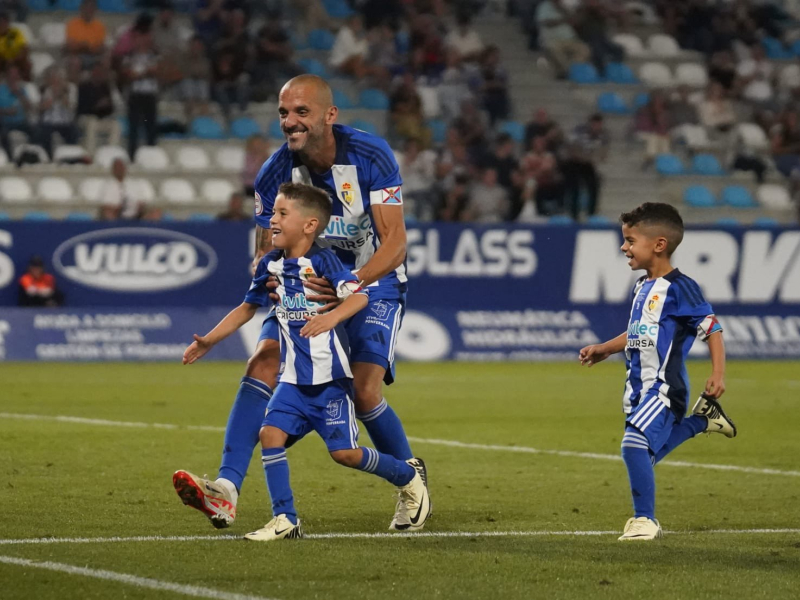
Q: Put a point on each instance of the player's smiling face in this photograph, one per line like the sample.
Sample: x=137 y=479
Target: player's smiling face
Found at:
x=289 y=224
x=638 y=247
x=304 y=118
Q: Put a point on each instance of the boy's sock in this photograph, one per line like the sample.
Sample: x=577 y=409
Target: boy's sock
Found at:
x=276 y=469
x=686 y=430
x=241 y=433
x=636 y=454
x=396 y=472
x=386 y=431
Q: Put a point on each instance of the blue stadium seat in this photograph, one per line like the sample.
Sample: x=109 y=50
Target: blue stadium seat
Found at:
x=4 y=216
x=275 y=130
x=515 y=129
x=320 y=39
x=612 y=103
x=200 y=217
x=36 y=215
x=342 y=100
x=774 y=48
x=373 y=99
x=244 y=127
x=39 y=5
x=438 y=128
x=707 y=164
x=583 y=73
x=669 y=164
x=641 y=99
x=402 y=42
x=115 y=6
x=168 y=217
x=79 y=216
x=765 y=222
x=337 y=9
x=298 y=41
x=364 y=125
x=598 y=221
x=738 y=197
x=207 y=128
x=699 y=196
x=68 y=4
x=620 y=73
x=728 y=222
x=560 y=220
x=314 y=67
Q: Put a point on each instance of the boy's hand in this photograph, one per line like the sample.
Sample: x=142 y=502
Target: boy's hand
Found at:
x=272 y=285
x=196 y=350
x=319 y=324
x=593 y=354
x=325 y=293
x=715 y=385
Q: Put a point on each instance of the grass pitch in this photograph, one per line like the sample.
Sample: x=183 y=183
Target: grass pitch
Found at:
x=96 y=479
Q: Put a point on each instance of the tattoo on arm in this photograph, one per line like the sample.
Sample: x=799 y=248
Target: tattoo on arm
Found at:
x=263 y=243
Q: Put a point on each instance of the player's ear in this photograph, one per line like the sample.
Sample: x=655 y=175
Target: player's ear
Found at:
x=661 y=244
x=311 y=225
x=331 y=115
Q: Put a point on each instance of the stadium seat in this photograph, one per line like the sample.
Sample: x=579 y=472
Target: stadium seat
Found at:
x=89 y=189
x=106 y=155
x=207 y=128
x=115 y=6
x=583 y=73
x=752 y=136
x=620 y=73
x=767 y=222
x=438 y=128
x=515 y=129
x=612 y=103
x=643 y=12
x=39 y=5
x=342 y=100
x=14 y=189
x=707 y=164
x=641 y=99
x=655 y=74
x=53 y=34
x=143 y=189
x=151 y=158
x=774 y=196
x=4 y=216
x=3 y=158
x=36 y=215
x=691 y=74
x=320 y=39
x=40 y=152
x=298 y=40
x=244 y=127
x=200 y=217
x=79 y=216
x=337 y=9
x=230 y=158
x=598 y=221
x=694 y=136
x=669 y=164
x=177 y=191
x=314 y=67
x=373 y=99
x=217 y=191
x=738 y=197
x=631 y=43
x=32 y=91
x=71 y=5
x=26 y=32
x=775 y=49
x=275 y=130
x=728 y=222
x=663 y=45
x=699 y=196
x=40 y=62
x=192 y=158
x=54 y=189
x=560 y=220
x=69 y=153
x=364 y=125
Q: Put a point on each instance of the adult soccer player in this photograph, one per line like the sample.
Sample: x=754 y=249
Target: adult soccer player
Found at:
x=367 y=232
x=668 y=312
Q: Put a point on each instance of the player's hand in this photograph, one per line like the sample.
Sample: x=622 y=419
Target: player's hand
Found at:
x=325 y=294
x=591 y=355
x=272 y=285
x=318 y=324
x=254 y=265
x=715 y=385
x=196 y=350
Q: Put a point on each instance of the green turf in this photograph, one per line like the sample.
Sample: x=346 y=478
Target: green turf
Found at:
x=79 y=480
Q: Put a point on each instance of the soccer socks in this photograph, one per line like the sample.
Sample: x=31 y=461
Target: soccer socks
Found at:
x=636 y=454
x=685 y=430
x=396 y=472
x=276 y=470
x=386 y=431
x=241 y=433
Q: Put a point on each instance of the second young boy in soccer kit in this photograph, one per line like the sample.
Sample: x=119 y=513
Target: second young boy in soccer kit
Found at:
x=315 y=390
x=667 y=314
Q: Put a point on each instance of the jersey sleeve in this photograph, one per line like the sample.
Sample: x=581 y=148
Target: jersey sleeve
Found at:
x=274 y=172
x=384 y=175
x=344 y=281
x=690 y=305
x=258 y=293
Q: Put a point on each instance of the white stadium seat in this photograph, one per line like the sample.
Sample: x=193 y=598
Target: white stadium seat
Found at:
x=217 y=191
x=3 y=158
x=32 y=92
x=646 y=12
x=106 y=155
x=54 y=189
x=144 y=190
x=69 y=152
x=695 y=136
x=40 y=152
x=89 y=189
x=177 y=191
x=53 y=34
x=691 y=74
x=663 y=45
x=772 y=195
x=789 y=78
x=632 y=44
x=655 y=74
x=152 y=158
x=40 y=62
x=193 y=158
x=230 y=158
x=14 y=189
x=752 y=136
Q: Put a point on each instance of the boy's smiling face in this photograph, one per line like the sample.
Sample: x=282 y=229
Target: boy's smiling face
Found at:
x=642 y=246
x=289 y=224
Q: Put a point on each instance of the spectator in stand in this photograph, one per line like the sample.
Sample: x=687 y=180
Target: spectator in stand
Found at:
x=141 y=73
x=488 y=200
x=167 y=34
x=651 y=124
x=592 y=26
x=209 y=18
x=722 y=69
x=235 y=210
x=785 y=144
x=383 y=52
x=427 y=45
x=588 y=148
x=194 y=88
x=418 y=171
x=256 y=153
x=57 y=110
x=16 y=109
x=716 y=111
x=543 y=126
x=756 y=77
x=126 y=42
x=37 y=288
x=558 y=38
x=19 y=8
x=273 y=62
x=97 y=102
x=465 y=40
x=454 y=87
x=543 y=182
x=503 y=160
x=314 y=14
x=231 y=82
x=351 y=49
x=121 y=197
x=454 y=201
x=494 y=86
x=680 y=109
x=473 y=128
x=13 y=48
x=453 y=163
x=86 y=34
x=405 y=112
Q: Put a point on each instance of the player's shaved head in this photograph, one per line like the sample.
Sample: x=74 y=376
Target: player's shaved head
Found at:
x=657 y=219
x=316 y=87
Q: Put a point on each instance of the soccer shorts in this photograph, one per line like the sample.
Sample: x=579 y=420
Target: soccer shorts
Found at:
x=326 y=408
x=654 y=420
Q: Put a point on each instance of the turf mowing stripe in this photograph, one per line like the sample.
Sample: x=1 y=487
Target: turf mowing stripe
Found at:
x=433 y=441
x=361 y=536
x=141 y=582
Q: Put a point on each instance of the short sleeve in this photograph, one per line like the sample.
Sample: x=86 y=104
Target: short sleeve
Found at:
x=258 y=293
x=384 y=175
x=690 y=305
x=274 y=172
x=344 y=281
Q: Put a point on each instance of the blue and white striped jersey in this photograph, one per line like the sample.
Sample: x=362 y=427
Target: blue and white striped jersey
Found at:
x=308 y=361
x=667 y=314
x=364 y=173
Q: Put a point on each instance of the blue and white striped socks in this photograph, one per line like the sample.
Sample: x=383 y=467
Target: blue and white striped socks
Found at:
x=386 y=431
x=636 y=454
x=396 y=472
x=276 y=470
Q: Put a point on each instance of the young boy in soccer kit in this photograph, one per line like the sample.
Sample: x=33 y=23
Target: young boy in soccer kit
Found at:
x=668 y=312
x=315 y=390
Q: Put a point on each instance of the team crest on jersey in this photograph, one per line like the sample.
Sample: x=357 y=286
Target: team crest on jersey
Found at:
x=392 y=196
x=307 y=272
x=259 y=204
x=651 y=306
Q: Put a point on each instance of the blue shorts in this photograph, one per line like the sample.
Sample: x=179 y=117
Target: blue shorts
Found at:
x=654 y=420
x=372 y=334
x=326 y=408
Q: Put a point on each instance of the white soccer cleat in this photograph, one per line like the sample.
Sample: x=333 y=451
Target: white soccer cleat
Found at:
x=280 y=528
x=207 y=496
x=414 y=502
x=641 y=528
x=718 y=421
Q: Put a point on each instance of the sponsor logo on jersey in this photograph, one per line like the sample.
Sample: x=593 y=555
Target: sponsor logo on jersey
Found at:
x=392 y=195
x=637 y=328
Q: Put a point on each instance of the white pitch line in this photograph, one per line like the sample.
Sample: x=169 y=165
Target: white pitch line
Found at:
x=433 y=441
x=140 y=582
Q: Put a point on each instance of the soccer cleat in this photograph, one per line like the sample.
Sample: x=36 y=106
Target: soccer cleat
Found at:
x=414 y=503
x=280 y=528
x=206 y=496
x=718 y=421
x=641 y=528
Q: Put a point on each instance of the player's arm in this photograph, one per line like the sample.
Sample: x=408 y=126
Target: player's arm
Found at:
x=596 y=353
x=325 y=322
x=229 y=324
x=391 y=229
x=263 y=243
